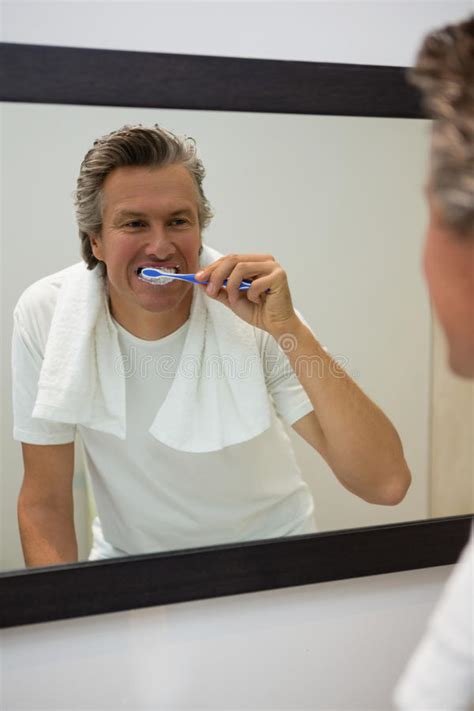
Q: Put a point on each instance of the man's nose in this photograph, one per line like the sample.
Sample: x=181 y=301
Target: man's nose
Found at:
x=159 y=242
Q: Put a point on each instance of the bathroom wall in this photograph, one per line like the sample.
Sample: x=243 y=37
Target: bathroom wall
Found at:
x=336 y=646
x=384 y=32
x=452 y=444
x=329 y=646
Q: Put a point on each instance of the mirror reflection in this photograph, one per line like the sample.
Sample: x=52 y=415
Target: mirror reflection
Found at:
x=156 y=415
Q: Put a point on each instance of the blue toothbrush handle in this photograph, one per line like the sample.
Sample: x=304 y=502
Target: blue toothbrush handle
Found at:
x=244 y=285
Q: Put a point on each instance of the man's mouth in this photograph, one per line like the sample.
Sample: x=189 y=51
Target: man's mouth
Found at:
x=154 y=279
x=170 y=269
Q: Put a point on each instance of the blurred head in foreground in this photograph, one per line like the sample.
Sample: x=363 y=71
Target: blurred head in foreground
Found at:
x=444 y=72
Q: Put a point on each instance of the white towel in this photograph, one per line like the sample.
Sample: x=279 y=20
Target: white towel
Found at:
x=204 y=410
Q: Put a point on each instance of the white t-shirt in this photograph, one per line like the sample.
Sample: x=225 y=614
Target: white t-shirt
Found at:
x=440 y=674
x=151 y=497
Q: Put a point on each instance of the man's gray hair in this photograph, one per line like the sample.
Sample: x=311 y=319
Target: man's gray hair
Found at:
x=131 y=146
x=444 y=71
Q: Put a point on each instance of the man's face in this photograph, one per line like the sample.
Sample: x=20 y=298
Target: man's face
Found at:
x=150 y=218
x=448 y=263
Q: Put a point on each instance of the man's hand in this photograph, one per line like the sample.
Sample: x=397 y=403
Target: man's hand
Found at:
x=266 y=304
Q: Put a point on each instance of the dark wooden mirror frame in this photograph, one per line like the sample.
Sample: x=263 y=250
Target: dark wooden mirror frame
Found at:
x=60 y=75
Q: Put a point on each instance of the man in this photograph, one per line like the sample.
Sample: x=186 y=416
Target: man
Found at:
x=175 y=461
x=441 y=673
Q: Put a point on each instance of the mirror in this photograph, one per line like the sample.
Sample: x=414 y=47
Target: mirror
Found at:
x=337 y=200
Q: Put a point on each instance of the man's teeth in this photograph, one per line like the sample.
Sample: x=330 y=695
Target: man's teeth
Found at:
x=169 y=270
x=158 y=280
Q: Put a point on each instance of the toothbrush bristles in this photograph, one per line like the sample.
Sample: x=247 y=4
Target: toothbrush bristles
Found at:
x=159 y=280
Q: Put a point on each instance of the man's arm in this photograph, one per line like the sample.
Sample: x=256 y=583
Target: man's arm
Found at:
x=352 y=434
x=45 y=505
x=357 y=440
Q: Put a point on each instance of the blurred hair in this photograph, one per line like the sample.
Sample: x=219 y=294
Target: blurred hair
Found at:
x=444 y=72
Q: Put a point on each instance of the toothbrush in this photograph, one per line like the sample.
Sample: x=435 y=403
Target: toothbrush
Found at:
x=156 y=276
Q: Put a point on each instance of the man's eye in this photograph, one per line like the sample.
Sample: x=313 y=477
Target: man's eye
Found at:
x=179 y=221
x=134 y=224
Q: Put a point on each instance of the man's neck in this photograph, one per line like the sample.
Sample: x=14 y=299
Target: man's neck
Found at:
x=151 y=326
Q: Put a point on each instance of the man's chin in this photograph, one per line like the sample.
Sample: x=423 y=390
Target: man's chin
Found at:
x=167 y=299
x=461 y=364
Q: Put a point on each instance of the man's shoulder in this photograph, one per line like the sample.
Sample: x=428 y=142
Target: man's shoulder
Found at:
x=35 y=308
x=43 y=293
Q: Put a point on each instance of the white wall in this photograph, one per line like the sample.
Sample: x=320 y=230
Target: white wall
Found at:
x=370 y=32
x=330 y=646
x=334 y=646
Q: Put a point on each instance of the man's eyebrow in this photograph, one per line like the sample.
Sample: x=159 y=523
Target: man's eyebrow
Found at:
x=182 y=211
x=122 y=214
x=127 y=213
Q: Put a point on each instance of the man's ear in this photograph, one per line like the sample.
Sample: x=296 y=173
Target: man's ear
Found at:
x=95 y=243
